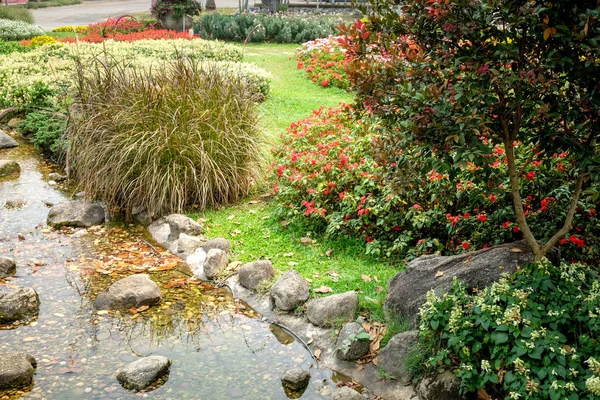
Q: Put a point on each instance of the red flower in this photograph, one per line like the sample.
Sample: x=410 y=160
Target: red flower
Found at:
x=507 y=224
x=369 y=239
x=465 y=245
x=417 y=207
x=467 y=215
x=531 y=175
x=325 y=82
x=575 y=240
x=493 y=198
x=481 y=218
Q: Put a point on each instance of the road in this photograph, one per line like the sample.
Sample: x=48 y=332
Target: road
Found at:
x=98 y=10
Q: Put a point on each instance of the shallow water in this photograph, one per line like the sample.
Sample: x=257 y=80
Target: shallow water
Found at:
x=219 y=348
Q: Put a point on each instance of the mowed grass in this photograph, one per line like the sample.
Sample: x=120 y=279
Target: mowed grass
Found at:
x=339 y=264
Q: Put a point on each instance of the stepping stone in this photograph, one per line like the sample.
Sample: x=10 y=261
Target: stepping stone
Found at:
x=252 y=274
x=329 y=310
x=348 y=346
x=215 y=263
x=17 y=303
x=7 y=266
x=78 y=213
x=141 y=373
x=345 y=393
x=16 y=369
x=290 y=291
x=134 y=291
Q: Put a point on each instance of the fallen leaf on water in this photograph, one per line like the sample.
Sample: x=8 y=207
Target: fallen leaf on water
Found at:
x=310 y=341
x=60 y=315
x=29 y=339
x=102 y=312
x=365 y=278
x=323 y=289
x=176 y=283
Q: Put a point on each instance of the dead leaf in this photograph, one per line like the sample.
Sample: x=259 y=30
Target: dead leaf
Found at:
x=516 y=250
x=439 y=273
x=365 y=278
x=309 y=341
x=288 y=254
x=292 y=263
x=379 y=289
x=323 y=289
x=375 y=278
x=253 y=202
x=306 y=241
x=284 y=223
x=366 y=327
x=482 y=394
x=317 y=353
x=549 y=32
x=375 y=361
x=328 y=252
x=231 y=217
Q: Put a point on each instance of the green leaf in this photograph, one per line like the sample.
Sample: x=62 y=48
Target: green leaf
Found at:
x=499 y=337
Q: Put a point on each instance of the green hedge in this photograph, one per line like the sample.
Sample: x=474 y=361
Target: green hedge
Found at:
x=278 y=28
x=16 y=14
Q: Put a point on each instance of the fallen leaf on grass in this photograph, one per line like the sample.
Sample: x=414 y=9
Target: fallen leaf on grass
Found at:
x=328 y=252
x=292 y=263
x=231 y=217
x=306 y=241
x=253 y=202
x=365 y=278
x=323 y=289
x=379 y=289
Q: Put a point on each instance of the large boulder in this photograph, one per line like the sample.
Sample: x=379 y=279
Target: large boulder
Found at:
x=478 y=269
x=16 y=370
x=133 y=291
x=141 y=373
x=6 y=142
x=166 y=230
x=326 y=311
x=393 y=359
x=349 y=346
x=9 y=167
x=444 y=386
x=217 y=243
x=252 y=274
x=196 y=263
x=215 y=263
x=7 y=266
x=290 y=291
x=78 y=213
x=18 y=303
x=295 y=379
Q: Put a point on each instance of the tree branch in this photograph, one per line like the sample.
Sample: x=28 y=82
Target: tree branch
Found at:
x=8 y=110
x=568 y=225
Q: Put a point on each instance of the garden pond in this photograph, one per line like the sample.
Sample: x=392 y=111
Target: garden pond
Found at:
x=219 y=347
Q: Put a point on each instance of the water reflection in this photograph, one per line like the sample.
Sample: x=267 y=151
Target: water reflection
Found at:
x=219 y=348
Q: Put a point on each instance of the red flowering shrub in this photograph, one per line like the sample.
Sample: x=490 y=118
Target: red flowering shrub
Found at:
x=325 y=62
x=328 y=179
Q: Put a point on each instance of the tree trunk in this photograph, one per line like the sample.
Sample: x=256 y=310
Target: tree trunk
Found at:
x=271 y=5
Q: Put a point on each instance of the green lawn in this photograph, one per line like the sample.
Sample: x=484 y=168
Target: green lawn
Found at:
x=339 y=264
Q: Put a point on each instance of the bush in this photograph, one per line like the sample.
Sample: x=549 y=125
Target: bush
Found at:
x=181 y=134
x=530 y=336
x=11 y=47
x=50 y=3
x=18 y=30
x=16 y=14
x=325 y=62
x=46 y=130
x=330 y=178
x=278 y=28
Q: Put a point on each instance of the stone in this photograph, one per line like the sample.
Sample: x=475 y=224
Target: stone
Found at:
x=13 y=123
x=326 y=311
x=218 y=243
x=141 y=373
x=215 y=263
x=393 y=358
x=295 y=379
x=7 y=266
x=345 y=393
x=252 y=274
x=78 y=213
x=55 y=176
x=290 y=290
x=16 y=369
x=17 y=303
x=444 y=386
x=477 y=269
x=180 y=223
x=166 y=230
x=185 y=245
x=348 y=346
x=9 y=167
x=134 y=291
x=141 y=216
x=196 y=263
x=15 y=203
x=6 y=142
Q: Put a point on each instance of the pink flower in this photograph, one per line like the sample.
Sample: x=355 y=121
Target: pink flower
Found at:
x=417 y=207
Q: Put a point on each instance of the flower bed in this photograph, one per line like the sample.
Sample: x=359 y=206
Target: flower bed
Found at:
x=325 y=62
x=18 y=30
x=329 y=178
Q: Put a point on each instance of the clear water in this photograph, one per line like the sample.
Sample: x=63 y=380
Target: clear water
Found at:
x=219 y=348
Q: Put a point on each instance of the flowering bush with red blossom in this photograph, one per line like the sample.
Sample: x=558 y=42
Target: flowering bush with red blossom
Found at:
x=325 y=62
x=327 y=178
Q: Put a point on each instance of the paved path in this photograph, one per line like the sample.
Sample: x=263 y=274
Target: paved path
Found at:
x=94 y=11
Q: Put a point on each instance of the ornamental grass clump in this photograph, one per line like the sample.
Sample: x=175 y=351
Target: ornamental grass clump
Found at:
x=178 y=134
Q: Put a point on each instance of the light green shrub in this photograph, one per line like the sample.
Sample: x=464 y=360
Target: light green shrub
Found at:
x=16 y=14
